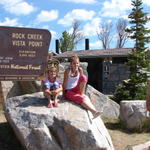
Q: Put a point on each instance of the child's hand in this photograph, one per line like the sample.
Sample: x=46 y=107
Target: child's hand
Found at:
x=54 y=92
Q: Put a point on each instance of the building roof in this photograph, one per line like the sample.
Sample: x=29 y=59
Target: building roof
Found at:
x=53 y=53
x=123 y=52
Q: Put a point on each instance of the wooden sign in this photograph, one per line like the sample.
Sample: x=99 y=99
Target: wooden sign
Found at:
x=23 y=52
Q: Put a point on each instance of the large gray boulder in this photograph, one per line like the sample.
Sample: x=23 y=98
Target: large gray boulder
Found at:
x=67 y=127
x=16 y=88
x=143 y=146
x=109 y=108
x=99 y=100
x=134 y=113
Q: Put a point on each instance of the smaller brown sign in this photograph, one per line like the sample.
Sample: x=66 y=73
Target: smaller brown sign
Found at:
x=23 y=52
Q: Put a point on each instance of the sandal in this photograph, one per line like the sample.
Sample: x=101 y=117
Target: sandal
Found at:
x=55 y=104
x=95 y=115
x=50 y=105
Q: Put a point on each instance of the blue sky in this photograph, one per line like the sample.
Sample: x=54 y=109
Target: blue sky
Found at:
x=58 y=15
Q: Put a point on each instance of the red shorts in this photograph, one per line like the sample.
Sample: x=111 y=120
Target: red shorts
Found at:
x=74 y=93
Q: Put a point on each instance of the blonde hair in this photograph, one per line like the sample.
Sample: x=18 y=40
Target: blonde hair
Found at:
x=52 y=69
x=75 y=57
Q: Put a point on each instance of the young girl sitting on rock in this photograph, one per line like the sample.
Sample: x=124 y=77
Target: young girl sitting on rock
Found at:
x=51 y=87
x=74 y=86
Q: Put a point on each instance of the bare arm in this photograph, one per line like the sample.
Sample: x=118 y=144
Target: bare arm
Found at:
x=59 y=89
x=81 y=70
x=56 y=91
x=82 y=84
x=82 y=88
x=65 y=80
x=47 y=91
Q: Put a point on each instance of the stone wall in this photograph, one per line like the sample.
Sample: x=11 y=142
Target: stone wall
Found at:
x=113 y=74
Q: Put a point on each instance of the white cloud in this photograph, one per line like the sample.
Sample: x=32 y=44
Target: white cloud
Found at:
x=91 y=28
x=115 y=8
x=46 y=16
x=9 y=22
x=53 y=33
x=76 y=14
x=95 y=45
x=125 y=17
x=146 y=2
x=17 y=7
x=148 y=24
x=45 y=27
x=81 y=1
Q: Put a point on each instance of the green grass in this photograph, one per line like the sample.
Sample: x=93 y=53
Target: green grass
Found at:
x=1 y=109
x=117 y=124
x=113 y=124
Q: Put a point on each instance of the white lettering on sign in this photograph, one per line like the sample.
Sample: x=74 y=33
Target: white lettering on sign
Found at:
x=18 y=35
x=35 y=36
x=18 y=43
x=35 y=44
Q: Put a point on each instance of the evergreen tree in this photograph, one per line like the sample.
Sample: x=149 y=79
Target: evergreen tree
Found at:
x=69 y=41
x=135 y=87
x=66 y=42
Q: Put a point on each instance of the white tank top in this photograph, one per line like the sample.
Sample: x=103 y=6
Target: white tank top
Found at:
x=72 y=81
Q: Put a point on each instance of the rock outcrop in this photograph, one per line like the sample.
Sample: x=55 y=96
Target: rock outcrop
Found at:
x=16 y=88
x=144 y=146
x=134 y=113
x=102 y=103
x=67 y=127
x=99 y=100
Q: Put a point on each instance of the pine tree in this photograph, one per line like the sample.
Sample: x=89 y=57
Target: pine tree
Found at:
x=135 y=87
x=69 y=41
x=66 y=42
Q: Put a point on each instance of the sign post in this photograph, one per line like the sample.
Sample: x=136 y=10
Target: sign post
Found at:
x=23 y=52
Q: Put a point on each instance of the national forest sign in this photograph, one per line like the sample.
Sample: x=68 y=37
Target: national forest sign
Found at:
x=23 y=52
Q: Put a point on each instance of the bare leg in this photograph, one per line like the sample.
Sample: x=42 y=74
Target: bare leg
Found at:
x=49 y=100
x=56 y=100
x=89 y=106
x=82 y=87
x=50 y=103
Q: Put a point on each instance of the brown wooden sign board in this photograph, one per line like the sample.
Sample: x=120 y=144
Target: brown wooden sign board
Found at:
x=23 y=52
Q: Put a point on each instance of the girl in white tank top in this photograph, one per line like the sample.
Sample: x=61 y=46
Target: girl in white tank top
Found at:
x=74 y=86
x=72 y=80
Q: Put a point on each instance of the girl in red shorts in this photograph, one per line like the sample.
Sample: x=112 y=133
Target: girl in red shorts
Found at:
x=74 y=86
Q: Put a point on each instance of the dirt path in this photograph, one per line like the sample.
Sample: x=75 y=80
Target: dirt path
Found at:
x=122 y=140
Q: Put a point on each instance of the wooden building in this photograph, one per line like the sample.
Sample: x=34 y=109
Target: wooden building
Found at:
x=106 y=68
